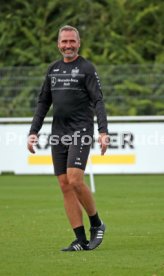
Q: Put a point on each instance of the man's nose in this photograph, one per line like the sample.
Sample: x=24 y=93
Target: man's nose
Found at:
x=68 y=44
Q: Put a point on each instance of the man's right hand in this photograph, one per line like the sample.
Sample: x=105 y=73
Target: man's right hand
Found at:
x=32 y=140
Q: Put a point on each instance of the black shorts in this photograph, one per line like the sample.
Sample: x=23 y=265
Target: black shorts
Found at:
x=72 y=155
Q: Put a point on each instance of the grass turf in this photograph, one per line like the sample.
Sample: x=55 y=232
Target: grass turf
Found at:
x=33 y=228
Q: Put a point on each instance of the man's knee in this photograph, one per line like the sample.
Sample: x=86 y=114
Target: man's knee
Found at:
x=75 y=183
x=64 y=184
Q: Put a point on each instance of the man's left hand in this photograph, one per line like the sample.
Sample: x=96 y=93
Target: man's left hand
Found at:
x=104 y=142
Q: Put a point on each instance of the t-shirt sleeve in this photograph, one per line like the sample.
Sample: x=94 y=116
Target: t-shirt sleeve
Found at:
x=43 y=104
x=93 y=86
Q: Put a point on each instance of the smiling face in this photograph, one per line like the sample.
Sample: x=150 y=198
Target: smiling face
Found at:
x=68 y=44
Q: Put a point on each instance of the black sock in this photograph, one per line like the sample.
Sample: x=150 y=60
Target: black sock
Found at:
x=95 y=220
x=80 y=233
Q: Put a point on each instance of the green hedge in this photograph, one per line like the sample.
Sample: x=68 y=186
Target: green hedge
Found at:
x=114 y=34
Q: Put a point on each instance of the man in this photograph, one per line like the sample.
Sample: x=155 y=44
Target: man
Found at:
x=73 y=87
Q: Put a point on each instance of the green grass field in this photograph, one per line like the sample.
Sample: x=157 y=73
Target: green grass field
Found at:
x=33 y=228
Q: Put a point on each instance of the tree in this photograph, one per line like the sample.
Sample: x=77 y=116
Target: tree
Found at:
x=114 y=33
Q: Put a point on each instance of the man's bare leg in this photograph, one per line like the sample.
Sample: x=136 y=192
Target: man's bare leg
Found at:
x=71 y=203
x=74 y=212
x=75 y=178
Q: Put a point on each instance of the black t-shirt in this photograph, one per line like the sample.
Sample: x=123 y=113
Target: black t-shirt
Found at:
x=75 y=92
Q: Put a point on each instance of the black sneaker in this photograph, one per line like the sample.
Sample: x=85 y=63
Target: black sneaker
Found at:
x=77 y=246
x=97 y=234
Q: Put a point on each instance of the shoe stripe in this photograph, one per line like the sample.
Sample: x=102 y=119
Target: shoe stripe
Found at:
x=77 y=247
x=100 y=235
x=80 y=247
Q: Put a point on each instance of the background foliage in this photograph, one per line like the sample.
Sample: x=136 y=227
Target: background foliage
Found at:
x=114 y=33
